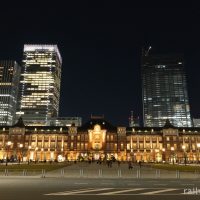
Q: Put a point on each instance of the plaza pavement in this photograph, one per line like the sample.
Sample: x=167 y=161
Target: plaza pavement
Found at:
x=96 y=170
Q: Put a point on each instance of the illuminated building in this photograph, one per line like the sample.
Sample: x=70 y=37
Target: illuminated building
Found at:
x=165 y=93
x=98 y=139
x=133 y=121
x=40 y=82
x=9 y=80
x=196 y=122
x=59 y=121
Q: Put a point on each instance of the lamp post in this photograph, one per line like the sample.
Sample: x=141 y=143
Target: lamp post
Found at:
x=42 y=154
x=172 y=150
x=8 y=149
x=163 y=154
x=29 y=148
x=198 y=146
x=156 y=154
x=21 y=152
x=36 y=154
x=185 y=156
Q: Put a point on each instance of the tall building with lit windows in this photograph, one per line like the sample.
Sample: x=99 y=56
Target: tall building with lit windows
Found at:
x=40 y=82
x=9 y=80
x=165 y=94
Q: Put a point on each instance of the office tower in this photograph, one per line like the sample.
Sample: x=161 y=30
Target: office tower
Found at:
x=9 y=81
x=134 y=121
x=40 y=83
x=165 y=93
x=196 y=122
x=57 y=121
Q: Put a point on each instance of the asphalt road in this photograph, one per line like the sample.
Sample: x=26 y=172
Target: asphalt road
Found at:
x=85 y=189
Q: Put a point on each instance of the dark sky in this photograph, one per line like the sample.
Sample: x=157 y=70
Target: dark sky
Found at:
x=101 y=46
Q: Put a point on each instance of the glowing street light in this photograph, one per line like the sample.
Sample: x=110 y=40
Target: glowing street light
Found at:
x=28 y=155
x=172 y=150
x=8 y=149
x=163 y=154
x=156 y=154
x=198 y=146
x=36 y=148
x=185 y=155
x=21 y=152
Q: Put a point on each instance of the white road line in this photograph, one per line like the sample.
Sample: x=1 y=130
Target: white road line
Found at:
x=68 y=191
x=78 y=192
x=121 y=191
x=81 y=183
x=158 y=191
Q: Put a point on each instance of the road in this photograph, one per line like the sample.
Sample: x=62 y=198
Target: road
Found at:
x=94 y=188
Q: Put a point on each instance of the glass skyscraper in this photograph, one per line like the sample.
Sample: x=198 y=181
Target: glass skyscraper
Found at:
x=9 y=81
x=40 y=82
x=165 y=93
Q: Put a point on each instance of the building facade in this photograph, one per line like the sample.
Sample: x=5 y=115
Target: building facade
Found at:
x=196 y=122
x=9 y=81
x=39 y=93
x=165 y=94
x=58 y=121
x=134 y=121
x=98 y=139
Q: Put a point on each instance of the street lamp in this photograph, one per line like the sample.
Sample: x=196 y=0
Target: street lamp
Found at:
x=29 y=148
x=156 y=154
x=172 y=150
x=8 y=148
x=198 y=146
x=163 y=154
x=21 y=152
x=185 y=157
x=42 y=154
x=36 y=154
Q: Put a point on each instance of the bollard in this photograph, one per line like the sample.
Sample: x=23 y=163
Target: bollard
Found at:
x=24 y=173
x=177 y=174
x=62 y=172
x=81 y=172
x=157 y=173
x=138 y=173
x=119 y=173
x=43 y=173
x=6 y=172
x=100 y=172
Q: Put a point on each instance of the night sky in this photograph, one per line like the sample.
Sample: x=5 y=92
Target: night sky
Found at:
x=101 y=47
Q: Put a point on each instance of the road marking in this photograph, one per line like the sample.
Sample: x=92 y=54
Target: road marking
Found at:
x=67 y=191
x=81 y=183
x=158 y=191
x=80 y=191
x=121 y=191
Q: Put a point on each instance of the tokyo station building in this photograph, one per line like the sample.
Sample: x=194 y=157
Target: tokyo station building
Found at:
x=98 y=139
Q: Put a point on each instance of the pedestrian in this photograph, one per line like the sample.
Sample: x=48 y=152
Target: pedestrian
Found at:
x=118 y=162
x=130 y=165
x=140 y=164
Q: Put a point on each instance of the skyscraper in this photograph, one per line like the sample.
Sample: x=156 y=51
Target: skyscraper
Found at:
x=9 y=81
x=40 y=83
x=165 y=94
